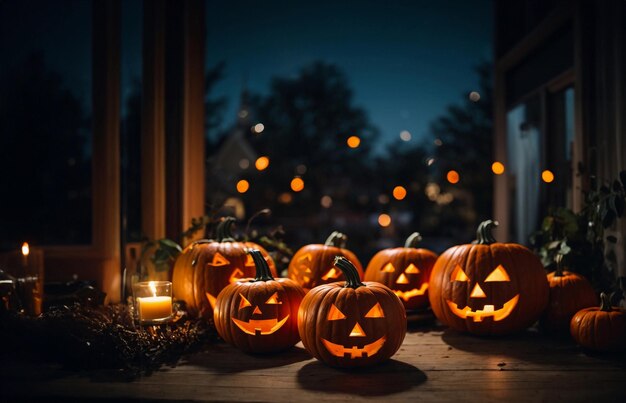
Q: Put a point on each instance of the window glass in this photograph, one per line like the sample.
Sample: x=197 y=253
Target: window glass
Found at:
x=45 y=122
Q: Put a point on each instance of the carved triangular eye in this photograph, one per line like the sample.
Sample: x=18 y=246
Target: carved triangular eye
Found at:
x=458 y=274
x=335 y=313
x=219 y=260
x=244 y=302
x=273 y=300
x=249 y=261
x=412 y=269
x=498 y=274
x=375 y=312
x=236 y=276
x=305 y=258
x=388 y=268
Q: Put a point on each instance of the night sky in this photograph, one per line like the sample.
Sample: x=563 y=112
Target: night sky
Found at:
x=405 y=60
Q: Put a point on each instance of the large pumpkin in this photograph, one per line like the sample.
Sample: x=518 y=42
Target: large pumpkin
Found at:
x=313 y=265
x=488 y=288
x=259 y=315
x=569 y=293
x=405 y=270
x=205 y=267
x=350 y=323
x=601 y=329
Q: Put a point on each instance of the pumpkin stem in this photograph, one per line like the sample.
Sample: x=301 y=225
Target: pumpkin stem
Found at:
x=605 y=302
x=337 y=239
x=413 y=240
x=484 y=235
x=559 y=265
x=349 y=271
x=224 y=230
x=263 y=272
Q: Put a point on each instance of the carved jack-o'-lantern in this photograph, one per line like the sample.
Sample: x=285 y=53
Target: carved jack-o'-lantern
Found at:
x=313 y=265
x=488 y=287
x=405 y=270
x=351 y=324
x=205 y=267
x=259 y=315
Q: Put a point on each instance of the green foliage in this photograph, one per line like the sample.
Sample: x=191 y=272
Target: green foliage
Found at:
x=580 y=237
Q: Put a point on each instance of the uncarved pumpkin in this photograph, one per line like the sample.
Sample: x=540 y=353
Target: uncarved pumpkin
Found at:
x=600 y=329
x=569 y=293
x=350 y=323
x=405 y=270
x=205 y=267
x=259 y=315
x=313 y=265
x=488 y=288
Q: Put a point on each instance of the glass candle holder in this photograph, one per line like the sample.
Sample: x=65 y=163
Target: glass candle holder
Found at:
x=153 y=302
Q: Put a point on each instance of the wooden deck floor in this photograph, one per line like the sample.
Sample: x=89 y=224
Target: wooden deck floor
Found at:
x=434 y=364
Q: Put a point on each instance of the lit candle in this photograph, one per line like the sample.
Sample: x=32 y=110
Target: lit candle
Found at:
x=156 y=307
x=25 y=253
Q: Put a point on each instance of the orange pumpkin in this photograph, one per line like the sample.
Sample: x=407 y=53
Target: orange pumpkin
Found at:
x=313 y=265
x=569 y=293
x=601 y=329
x=488 y=288
x=259 y=315
x=350 y=323
x=205 y=267
x=405 y=270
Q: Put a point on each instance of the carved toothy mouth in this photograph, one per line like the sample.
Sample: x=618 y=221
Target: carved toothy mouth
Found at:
x=487 y=311
x=355 y=352
x=407 y=295
x=260 y=326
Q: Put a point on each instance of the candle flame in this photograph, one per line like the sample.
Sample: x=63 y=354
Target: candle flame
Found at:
x=25 y=249
x=152 y=286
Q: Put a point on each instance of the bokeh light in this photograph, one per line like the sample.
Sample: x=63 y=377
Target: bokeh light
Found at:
x=497 y=168
x=285 y=198
x=244 y=163
x=258 y=128
x=384 y=220
x=453 y=176
x=243 y=186
x=547 y=176
x=262 y=163
x=297 y=184
x=399 y=192
x=353 y=141
x=474 y=96
x=405 y=135
x=326 y=201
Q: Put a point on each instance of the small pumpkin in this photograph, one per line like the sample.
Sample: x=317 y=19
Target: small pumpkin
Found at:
x=206 y=266
x=350 y=323
x=600 y=329
x=259 y=315
x=488 y=288
x=405 y=270
x=569 y=293
x=312 y=265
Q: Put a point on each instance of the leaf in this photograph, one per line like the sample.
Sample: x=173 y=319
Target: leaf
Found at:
x=608 y=218
x=565 y=249
x=553 y=245
x=170 y=244
x=547 y=224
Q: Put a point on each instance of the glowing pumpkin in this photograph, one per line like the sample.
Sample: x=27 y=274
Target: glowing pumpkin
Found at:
x=313 y=265
x=569 y=293
x=405 y=270
x=205 y=267
x=487 y=287
x=350 y=323
x=259 y=315
x=601 y=329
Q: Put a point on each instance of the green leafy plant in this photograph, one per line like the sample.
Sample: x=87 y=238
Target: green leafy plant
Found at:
x=580 y=237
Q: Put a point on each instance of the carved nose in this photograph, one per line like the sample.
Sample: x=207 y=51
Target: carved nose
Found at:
x=357 y=331
x=402 y=279
x=257 y=310
x=477 y=292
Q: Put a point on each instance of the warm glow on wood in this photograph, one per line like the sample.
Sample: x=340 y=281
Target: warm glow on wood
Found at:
x=547 y=176
x=243 y=186
x=453 y=177
x=399 y=192
x=353 y=141
x=497 y=168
